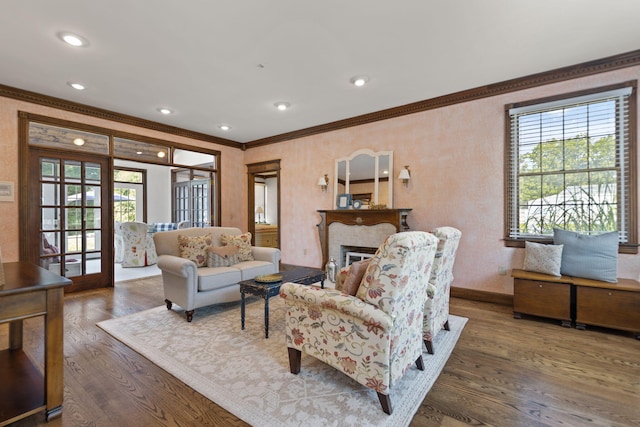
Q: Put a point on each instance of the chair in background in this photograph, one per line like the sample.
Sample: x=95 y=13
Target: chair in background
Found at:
x=118 y=243
x=138 y=247
x=375 y=336
x=436 y=308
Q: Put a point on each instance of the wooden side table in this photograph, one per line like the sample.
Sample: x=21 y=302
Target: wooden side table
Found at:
x=31 y=291
x=301 y=275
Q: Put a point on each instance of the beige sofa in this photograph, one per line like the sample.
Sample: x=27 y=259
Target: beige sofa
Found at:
x=191 y=287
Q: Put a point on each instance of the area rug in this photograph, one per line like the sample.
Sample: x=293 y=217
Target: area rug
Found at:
x=249 y=376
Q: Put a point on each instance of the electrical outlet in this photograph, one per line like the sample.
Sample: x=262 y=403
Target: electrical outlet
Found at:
x=502 y=270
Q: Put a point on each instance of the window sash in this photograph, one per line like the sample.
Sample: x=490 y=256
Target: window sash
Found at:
x=621 y=97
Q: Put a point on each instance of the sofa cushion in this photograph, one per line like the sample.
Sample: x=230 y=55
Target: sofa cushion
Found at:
x=164 y=226
x=541 y=258
x=591 y=257
x=195 y=248
x=354 y=277
x=210 y=278
x=242 y=241
x=250 y=269
x=222 y=256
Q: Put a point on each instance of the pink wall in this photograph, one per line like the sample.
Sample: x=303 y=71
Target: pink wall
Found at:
x=456 y=156
x=456 y=159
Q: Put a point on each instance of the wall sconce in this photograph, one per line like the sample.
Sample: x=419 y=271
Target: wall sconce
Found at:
x=259 y=211
x=405 y=176
x=323 y=182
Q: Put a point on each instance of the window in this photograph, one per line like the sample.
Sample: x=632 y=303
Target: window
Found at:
x=571 y=165
x=128 y=194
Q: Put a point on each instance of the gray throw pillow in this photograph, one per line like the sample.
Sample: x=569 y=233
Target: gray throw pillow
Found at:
x=591 y=257
x=541 y=258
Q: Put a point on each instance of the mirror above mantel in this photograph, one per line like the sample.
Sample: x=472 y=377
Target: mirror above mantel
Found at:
x=367 y=176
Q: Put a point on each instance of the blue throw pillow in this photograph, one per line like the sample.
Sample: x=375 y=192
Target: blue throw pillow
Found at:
x=591 y=257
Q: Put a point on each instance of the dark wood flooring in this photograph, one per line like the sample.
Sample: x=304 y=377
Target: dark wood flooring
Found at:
x=503 y=372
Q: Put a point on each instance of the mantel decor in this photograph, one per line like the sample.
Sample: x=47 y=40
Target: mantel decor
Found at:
x=396 y=217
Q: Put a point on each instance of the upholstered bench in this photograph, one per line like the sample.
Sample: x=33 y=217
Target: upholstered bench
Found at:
x=574 y=299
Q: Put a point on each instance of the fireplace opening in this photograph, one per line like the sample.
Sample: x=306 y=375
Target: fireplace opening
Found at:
x=351 y=254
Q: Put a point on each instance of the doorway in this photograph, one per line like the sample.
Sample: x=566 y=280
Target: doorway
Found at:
x=263 y=203
x=70 y=202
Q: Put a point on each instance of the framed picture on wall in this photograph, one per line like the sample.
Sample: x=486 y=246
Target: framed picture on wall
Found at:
x=344 y=201
x=6 y=191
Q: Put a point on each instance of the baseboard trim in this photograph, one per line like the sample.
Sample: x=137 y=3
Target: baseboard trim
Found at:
x=484 y=296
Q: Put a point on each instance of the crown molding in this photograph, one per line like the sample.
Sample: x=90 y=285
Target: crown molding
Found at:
x=87 y=110
x=598 y=66
x=610 y=63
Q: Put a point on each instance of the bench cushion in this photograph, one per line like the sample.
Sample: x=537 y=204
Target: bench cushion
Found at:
x=592 y=257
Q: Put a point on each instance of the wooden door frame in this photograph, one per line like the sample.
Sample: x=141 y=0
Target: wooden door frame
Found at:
x=253 y=170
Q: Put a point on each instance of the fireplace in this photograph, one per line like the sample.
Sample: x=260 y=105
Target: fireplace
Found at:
x=363 y=229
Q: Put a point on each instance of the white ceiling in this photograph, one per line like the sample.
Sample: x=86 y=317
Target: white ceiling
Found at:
x=229 y=61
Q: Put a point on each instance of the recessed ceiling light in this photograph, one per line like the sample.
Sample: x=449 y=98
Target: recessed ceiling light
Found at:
x=165 y=110
x=282 y=105
x=78 y=141
x=73 y=39
x=138 y=152
x=224 y=127
x=359 y=80
x=76 y=86
x=161 y=154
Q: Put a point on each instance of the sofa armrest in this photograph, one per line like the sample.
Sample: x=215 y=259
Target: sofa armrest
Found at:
x=177 y=266
x=271 y=255
x=329 y=299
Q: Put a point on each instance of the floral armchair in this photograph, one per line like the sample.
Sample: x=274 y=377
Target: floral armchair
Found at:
x=375 y=336
x=436 y=308
x=138 y=249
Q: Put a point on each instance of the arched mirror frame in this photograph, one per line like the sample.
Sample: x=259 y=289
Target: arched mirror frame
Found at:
x=343 y=172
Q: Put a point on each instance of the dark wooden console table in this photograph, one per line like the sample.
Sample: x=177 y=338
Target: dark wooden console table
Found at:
x=31 y=291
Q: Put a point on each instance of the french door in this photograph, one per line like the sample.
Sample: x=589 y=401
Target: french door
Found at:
x=70 y=230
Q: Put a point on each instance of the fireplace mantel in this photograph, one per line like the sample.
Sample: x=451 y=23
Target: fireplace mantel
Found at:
x=358 y=217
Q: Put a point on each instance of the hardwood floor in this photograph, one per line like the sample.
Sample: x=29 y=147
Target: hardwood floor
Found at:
x=503 y=372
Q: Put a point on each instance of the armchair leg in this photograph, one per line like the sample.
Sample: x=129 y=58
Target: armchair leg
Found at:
x=169 y=304
x=189 y=315
x=420 y=363
x=385 y=401
x=446 y=326
x=429 y=345
x=295 y=357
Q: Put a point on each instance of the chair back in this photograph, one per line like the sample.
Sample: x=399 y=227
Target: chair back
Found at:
x=442 y=271
x=399 y=271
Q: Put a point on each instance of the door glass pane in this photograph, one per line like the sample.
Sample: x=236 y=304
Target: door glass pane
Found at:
x=50 y=169
x=92 y=195
x=93 y=240
x=72 y=171
x=72 y=266
x=92 y=173
x=92 y=218
x=73 y=218
x=73 y=240
x=50 y=194
x=50 y=218
x=73 y=195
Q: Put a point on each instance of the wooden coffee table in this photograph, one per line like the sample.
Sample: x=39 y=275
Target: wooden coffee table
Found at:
x=301 y=275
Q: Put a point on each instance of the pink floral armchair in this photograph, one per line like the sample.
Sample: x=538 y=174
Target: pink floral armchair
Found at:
x=375 y=336
x=138 y=249
x=436 y=308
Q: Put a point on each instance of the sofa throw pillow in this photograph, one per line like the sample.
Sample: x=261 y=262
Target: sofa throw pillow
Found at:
x=354 y=277
x=341 y=276
x=242 y=241
x=541 y=258
x=591 y=257
x=222 y=256
x=195 y=248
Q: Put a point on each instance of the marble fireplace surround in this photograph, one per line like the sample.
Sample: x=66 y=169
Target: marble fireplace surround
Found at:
x=357 y=228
